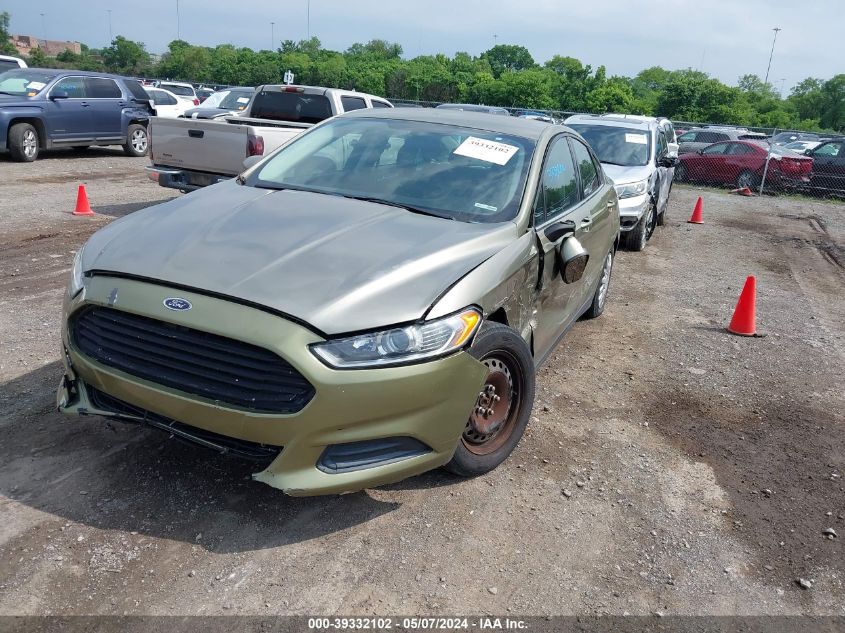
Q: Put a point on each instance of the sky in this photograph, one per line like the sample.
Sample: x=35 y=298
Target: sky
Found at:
x=724 y=38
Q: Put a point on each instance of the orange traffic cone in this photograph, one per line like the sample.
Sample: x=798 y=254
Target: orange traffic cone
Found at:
x=82 y=206
x=697 y=213
x=743 y=321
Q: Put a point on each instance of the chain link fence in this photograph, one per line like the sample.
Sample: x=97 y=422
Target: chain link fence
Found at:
x=747 y=159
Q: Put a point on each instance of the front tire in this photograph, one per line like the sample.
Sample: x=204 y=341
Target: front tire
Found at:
x=638 y=237
x=600 y=297
x=137 y=142
x=24 y=145
x=503 y=406
x=747 y=179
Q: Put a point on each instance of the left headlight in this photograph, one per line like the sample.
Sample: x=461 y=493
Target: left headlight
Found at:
x=76 y=281
x=401 y=345
x=631 y=189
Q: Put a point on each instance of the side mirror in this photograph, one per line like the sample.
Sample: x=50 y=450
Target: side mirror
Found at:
x=573 y=260
x=249 y=161
x=668 y=161
x=557 y=230
x=674 y=148
x=59 y=94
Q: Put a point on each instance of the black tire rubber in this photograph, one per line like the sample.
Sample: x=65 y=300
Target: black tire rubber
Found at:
x=128 y=149
x=634 y=238
x=79 y=148
x=16 y=146
x=491 y=338
x=597 y=306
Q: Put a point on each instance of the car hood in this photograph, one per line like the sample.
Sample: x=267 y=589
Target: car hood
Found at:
x=14 y=101
x=623 y=175
x=340 y=265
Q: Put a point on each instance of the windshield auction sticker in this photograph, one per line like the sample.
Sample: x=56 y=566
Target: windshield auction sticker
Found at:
x=488 y=151
x=639 y=139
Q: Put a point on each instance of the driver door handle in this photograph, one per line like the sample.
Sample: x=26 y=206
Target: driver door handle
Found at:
x=586 y=222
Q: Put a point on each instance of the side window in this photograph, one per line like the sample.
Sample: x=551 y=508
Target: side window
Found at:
x=73 y=86
x=101 y=88
x=828 y=149
x=738 y=149
x=135 y=89
x=558 y=184
x=688 y=137
x=380 y=104
x=353 y=103
x=718 y=148
x=662 y=146
x=587 y=168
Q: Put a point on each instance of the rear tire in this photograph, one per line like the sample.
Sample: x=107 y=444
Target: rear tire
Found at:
x=489 y=439
x=24 y=145
x=600 y=297
x=137 y=142
x=638 y=237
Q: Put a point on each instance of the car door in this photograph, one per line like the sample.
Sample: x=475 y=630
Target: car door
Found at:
x=594 y=230
x=829 y=166
x=558 y=200
x=664 y=174
x=69 y=117
x=107 y=103
x=710 y=167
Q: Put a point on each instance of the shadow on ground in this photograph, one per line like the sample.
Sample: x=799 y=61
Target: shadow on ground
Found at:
x=115 y=476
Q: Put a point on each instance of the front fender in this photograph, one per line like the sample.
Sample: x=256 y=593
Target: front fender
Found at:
x=8 y=115
x=506 y=280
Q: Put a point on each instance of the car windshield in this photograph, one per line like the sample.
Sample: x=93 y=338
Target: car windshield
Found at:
x=183 y=91
x=236 y=100
x=24 y=82
x=615 y=145
x=443 y=170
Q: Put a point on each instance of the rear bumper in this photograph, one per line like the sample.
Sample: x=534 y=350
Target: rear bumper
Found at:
x=183 y=179
x=357 y=413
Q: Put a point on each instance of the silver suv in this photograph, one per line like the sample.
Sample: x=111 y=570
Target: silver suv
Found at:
x=639 y=154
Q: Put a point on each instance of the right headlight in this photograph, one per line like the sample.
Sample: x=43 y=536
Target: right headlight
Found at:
x=631 y=189
x=76 y=279
x=401 y=345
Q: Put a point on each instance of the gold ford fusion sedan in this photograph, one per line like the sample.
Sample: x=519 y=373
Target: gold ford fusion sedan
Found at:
x=367 y=303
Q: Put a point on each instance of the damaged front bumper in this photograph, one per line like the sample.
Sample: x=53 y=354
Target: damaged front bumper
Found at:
x=362 y=428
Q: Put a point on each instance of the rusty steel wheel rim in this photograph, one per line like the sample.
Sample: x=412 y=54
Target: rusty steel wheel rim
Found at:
x=494 y=415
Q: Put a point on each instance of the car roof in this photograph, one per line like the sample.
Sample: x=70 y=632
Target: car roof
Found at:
x=77 y=73
x=611 y=121
x=526 y=128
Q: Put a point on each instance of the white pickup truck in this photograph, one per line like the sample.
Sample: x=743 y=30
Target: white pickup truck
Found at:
x=187 y=154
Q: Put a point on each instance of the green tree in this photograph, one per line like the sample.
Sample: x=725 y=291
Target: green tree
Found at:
x=125 y=56
x=615 y=95
x=505 y=58
x=833 y=104
x=6 y=47
x=37 y=58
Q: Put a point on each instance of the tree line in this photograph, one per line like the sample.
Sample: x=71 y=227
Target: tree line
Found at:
x=505 y=75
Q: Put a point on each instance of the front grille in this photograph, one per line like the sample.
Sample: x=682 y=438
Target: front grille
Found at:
x=227 y=445
x=221 y=369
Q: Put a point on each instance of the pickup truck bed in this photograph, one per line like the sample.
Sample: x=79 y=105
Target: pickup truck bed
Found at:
x=187 y=154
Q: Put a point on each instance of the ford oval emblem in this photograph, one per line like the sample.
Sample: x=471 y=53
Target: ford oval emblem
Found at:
x=178 y=304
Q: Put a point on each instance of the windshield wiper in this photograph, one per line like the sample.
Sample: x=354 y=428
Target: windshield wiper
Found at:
x=610 y=162
x=397 y=205
x=11 y=94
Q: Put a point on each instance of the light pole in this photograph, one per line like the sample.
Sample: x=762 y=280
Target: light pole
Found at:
x=43 y=27
x=308 y=18
x=111 y=37
x=775 y=39
x=495 y=40
x=272 y=35
x=781 y=87
x=178 y=29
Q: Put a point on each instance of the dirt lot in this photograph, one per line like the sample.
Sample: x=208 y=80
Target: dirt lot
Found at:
x=699 y=469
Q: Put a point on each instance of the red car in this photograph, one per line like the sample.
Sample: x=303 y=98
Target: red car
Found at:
x=741 y=163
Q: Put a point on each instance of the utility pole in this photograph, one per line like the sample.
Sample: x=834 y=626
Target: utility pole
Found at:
x=43 y=27
x=178 y=29
x=111 y=37
x=775 y=39
x=272 y=35
x=308 y=18
x=495 y=40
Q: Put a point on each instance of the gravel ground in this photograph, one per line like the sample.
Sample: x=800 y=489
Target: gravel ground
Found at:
x=669 y=467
